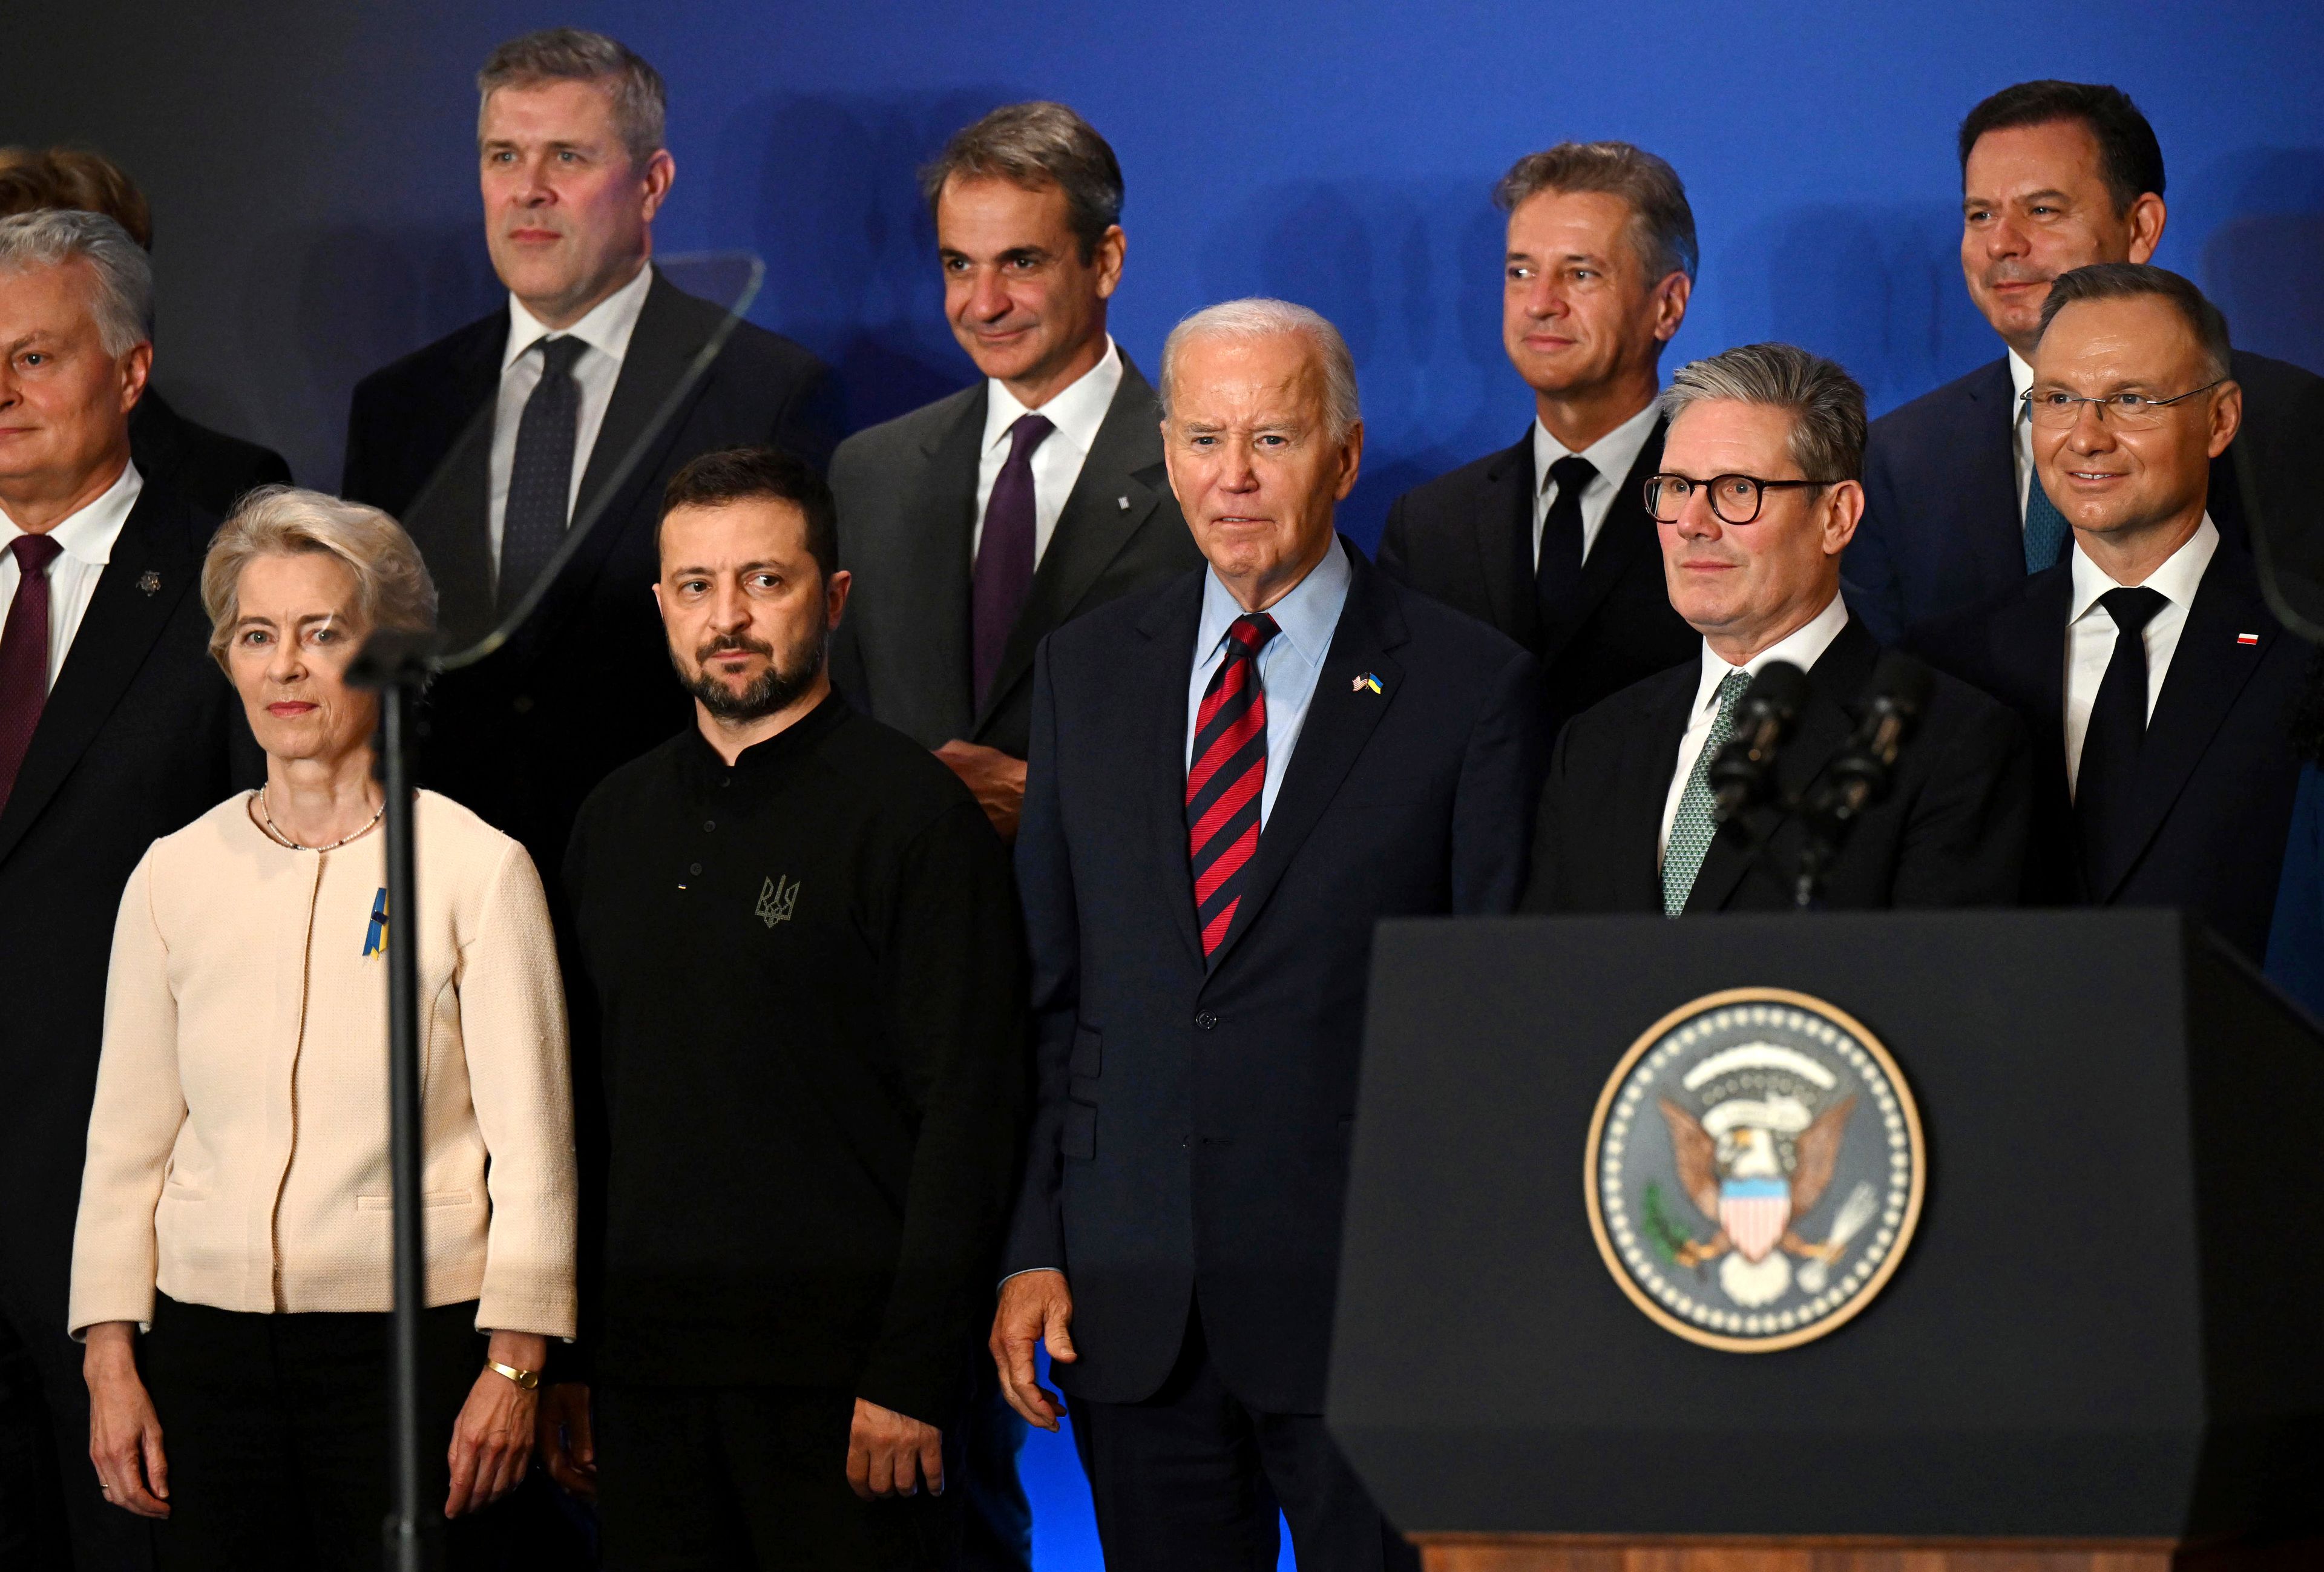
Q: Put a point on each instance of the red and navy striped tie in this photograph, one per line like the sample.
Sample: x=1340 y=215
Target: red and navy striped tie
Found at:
x=1229 y=773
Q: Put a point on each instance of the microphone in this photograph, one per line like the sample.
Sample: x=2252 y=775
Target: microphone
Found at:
x=1743 y=773
x=1859 y=776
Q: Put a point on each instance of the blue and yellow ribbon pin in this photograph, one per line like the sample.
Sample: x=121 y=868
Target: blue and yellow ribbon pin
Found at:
x=376 y=937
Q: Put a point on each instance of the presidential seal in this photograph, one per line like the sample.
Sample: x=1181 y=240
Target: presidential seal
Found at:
x=1754 y=1169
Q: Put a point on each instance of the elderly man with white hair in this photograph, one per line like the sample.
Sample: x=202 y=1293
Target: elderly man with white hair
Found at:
x=115 y=728
x=1232 y=778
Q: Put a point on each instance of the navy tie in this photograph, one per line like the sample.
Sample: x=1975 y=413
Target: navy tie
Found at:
x=540 y=479
x=1004 y=552
x=2046 y=529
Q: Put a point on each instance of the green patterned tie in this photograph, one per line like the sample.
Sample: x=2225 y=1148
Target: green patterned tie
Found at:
x=1691 y=829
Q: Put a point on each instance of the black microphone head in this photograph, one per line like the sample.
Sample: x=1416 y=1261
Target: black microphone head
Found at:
x=1778 y=691
x=1903 y=681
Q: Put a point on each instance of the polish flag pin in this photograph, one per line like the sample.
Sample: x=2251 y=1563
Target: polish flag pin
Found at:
x=2246 y=638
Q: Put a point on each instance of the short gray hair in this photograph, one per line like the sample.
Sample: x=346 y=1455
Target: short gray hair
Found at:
x=53 y=237
x=1662 y=223
x=2124 y=281
x=571 y=54
x=1260 y=318
x=1034 y=144
x=1825 y=403
x=392 y=589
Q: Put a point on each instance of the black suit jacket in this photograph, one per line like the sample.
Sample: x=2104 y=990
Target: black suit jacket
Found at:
x=1192 y=1124
x=1952 y=830
x=140 y=735
x=1466 y=538
x=2216 y=773
x=209 y=470
x=522 y=736
x=907 y=494
x=1941 y=532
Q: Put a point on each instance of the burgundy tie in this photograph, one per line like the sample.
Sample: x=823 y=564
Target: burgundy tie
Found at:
x=1004 y=553
x=24 y=655
x=1229 y=775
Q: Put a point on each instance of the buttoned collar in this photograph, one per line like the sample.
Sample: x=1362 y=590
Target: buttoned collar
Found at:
x=1077 y=411
x=87 y=535
x=1307 y=617
x=606 y=328
x=1803 y=646
x=2180 y=575
x=1611 y=455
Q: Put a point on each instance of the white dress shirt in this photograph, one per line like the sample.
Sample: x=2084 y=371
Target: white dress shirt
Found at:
x=606 y=331
x=1611 y=455
x=1076 y=412
x=87 y=538
x=2090 y=632
x=1803 y=646
x=1289 y=664
x=2021 y=430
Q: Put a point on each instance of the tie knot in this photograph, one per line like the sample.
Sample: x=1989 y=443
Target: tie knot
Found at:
x=33 y=553
x=1028 y=433
x=2133 y=609
x=1248 y=634
x=1572 y=474
x=1731 y=689
x=559 y=355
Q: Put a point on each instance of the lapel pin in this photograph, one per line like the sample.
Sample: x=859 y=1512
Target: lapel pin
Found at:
x=1367 y=680
x=149 y=582
x=2246 y=638
x=1123 y=502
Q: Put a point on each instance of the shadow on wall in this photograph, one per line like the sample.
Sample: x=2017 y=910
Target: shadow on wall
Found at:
x=2261 y=266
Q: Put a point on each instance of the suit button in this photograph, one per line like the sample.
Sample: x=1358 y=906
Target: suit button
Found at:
x=693 y=867
x=1206 y=1021
x=521 y=704
x=709 y=825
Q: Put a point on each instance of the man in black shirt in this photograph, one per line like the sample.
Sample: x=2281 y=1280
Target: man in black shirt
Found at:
x=798 y=970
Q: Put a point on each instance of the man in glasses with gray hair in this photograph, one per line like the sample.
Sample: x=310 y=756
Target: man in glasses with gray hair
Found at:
x=1758 y=493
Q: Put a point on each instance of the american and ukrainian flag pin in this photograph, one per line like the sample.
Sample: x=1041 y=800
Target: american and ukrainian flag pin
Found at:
x=1369 y=680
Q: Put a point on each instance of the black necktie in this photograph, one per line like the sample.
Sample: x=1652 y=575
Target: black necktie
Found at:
x=1559 y=568
x=2105 y=783
x=540 y=479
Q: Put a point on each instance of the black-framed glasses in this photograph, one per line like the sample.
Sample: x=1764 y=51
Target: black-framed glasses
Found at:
x=1735 y=498
x=2056 y=409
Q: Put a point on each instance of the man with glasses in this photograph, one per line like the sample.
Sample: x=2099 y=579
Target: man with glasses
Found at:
x=1757 y=495
x=2157 y=686
x=2054 y=176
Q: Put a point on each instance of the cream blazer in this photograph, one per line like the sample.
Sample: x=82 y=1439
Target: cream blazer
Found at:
x=237 y=1151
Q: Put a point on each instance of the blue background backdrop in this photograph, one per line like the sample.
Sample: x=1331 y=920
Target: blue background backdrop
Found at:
x=315 y=198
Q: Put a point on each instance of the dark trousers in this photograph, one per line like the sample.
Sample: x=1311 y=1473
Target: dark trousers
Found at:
x=279 y=1437
x=728 y=1479
x=51 y=1517
x=1192 y=1477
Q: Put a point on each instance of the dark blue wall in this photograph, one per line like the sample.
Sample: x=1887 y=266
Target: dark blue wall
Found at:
x=314 y=183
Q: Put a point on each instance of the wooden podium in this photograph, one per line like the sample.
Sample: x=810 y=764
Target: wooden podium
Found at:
x=2100 y=1352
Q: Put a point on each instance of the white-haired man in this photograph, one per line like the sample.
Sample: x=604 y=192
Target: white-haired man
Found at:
x=1233 y=777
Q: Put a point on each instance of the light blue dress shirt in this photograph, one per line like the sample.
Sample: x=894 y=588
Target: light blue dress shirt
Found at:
x=1288 y=666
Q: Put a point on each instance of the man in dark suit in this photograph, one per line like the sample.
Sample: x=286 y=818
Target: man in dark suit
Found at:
x=2158 y=688
x=489 y=443
x=115 y=729
x=1234 y=776
x=976 y=524
x=2054 y=176
x=1758 y=495
x=1549 y=540
x=206 y=468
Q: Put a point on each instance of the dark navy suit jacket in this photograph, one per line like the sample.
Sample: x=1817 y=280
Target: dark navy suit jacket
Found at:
x=1192 y=1130
x=1941 y=531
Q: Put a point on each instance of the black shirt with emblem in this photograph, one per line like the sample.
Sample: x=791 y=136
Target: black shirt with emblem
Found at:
x=799 y=984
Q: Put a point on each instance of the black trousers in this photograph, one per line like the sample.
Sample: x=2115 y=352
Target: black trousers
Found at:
x=1192 y=1477
x=51 y=1517
x=728 y=1479
x=278 y=1432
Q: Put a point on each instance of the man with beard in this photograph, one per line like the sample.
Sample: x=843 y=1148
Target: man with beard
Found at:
x=797 y=965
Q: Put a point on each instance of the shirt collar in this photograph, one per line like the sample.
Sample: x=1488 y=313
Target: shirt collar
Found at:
x=1611 y=455
x=1803 y=646
x=87 y=535
x=2176 y=581
x=2021 y=380
x=606 y=328
x=1307 y=616
x=1076 y=412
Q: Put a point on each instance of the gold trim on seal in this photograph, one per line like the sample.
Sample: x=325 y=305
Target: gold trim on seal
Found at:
x=1905 y=1231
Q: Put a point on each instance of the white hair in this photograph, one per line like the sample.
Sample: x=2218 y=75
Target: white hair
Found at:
x=1260 y=318
x=52 y=236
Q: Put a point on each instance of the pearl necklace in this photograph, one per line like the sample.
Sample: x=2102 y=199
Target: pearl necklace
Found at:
x=280 y=839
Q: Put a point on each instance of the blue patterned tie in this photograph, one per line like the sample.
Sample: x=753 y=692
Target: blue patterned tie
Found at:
x=2046 y=529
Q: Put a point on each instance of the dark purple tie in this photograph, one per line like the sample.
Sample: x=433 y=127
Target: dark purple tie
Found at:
x=24 y=655
x=1004 y=554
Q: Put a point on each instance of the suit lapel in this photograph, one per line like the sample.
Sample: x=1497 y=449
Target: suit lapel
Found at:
x=1627 y=531
x=1503 y=526
x=1340 y=722
x=1169 y=627
x=2208 y=673
x=448 y=518
x=1988 y=505
x=1108 y=506
x=931 y=584
x=1648 y=761
x=156 y=546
